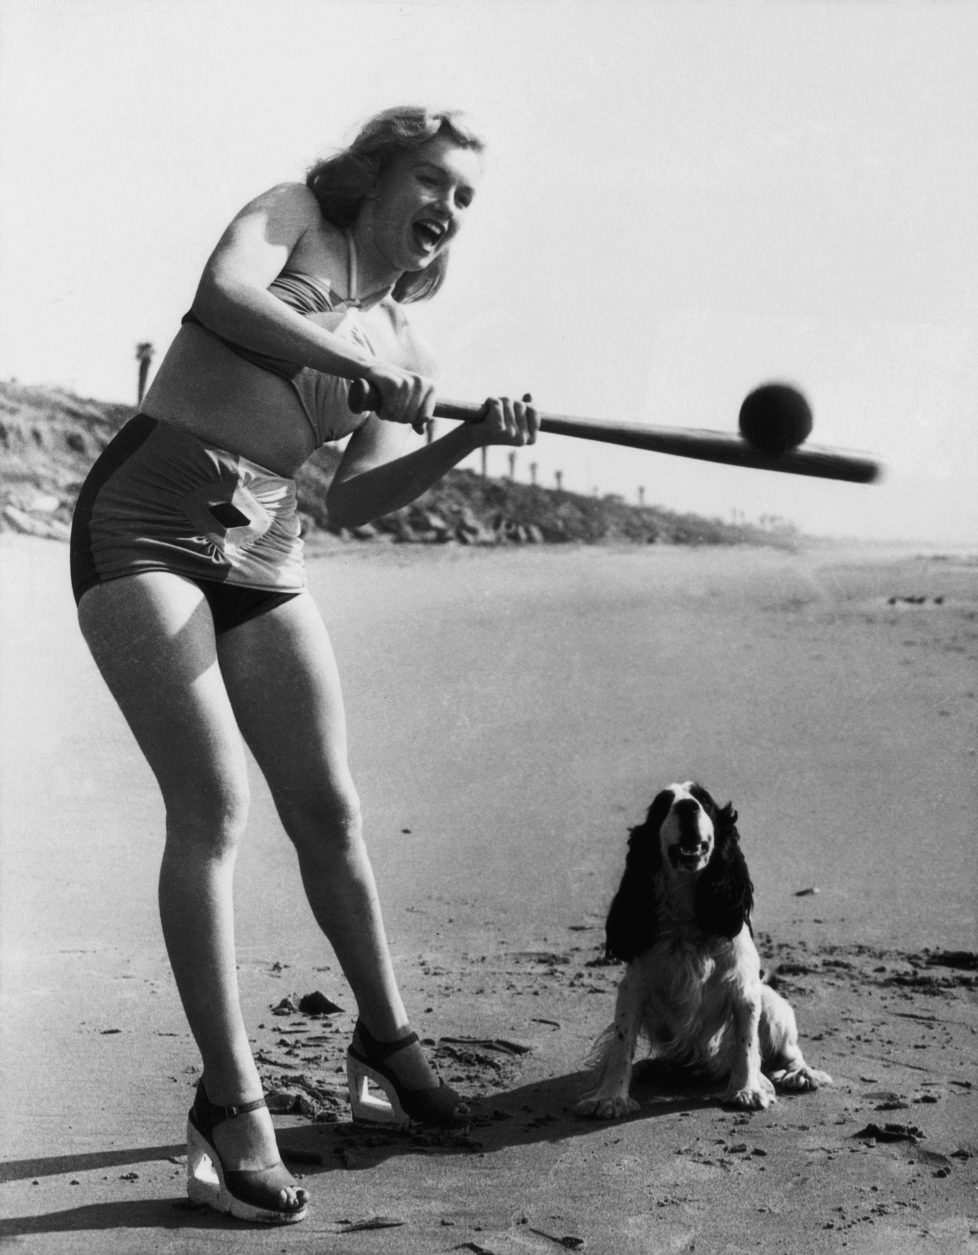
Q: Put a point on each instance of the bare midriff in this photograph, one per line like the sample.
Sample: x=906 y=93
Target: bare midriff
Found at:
x=205 y=388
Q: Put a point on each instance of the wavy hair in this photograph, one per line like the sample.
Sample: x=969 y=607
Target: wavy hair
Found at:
x=342 y=182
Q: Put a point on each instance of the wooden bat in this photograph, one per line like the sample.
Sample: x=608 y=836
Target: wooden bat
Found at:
x=686 y=442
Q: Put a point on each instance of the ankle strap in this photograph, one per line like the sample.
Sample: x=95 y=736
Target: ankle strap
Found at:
x=216 y=1114
x=382 y=1049
x=239 y=1109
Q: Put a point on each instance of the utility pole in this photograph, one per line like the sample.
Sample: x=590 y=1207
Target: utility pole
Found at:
x=144 y=355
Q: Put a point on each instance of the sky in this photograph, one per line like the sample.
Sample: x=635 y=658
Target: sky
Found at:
x=682 y=200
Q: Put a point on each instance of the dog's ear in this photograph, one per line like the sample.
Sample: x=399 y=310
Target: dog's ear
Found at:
x=656 y=815
x=632 y=926
x=724 y=893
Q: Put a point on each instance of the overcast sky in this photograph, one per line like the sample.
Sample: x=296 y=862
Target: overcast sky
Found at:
x=681 y=201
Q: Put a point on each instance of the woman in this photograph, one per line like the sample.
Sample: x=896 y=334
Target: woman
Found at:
x=187 y=568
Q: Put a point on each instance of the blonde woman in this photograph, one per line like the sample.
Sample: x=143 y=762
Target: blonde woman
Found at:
x=187 y=568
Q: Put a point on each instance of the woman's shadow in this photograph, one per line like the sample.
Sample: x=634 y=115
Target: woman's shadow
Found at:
x=523 y=1115
x=143 y=1213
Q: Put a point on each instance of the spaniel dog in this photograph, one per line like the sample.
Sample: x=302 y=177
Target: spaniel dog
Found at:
x=681 y=922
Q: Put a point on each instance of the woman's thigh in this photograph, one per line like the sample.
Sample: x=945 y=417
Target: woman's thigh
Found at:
x=152 y=638
x=284 y=686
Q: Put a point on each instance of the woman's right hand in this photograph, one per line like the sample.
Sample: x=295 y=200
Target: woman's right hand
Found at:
x=405 y=397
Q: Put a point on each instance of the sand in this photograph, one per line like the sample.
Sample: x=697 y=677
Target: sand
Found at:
x=512 y=713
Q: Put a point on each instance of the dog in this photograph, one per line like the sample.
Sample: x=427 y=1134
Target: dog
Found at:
x=681 y=921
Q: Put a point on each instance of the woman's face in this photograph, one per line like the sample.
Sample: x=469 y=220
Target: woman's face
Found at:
x=421 y=200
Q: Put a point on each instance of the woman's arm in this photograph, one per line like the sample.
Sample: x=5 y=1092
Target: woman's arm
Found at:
x=376 y=476
x=233 y=301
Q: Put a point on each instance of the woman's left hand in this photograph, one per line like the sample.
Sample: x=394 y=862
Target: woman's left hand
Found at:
x=508 y=422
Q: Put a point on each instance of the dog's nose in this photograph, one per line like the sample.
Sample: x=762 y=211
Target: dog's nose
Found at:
x=688 y=814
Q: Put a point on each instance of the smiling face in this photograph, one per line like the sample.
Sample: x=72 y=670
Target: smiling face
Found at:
x=419 y=203
x=687 y=834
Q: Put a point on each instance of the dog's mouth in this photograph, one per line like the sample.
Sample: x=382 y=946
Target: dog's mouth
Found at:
x=687 y=858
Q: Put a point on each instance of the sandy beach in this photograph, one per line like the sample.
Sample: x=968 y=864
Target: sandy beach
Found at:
x=512 y=713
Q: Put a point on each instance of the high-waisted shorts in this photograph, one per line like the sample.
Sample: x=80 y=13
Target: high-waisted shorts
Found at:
x=160 y=499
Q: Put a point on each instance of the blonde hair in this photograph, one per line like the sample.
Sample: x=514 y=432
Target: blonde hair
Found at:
x=341 y=182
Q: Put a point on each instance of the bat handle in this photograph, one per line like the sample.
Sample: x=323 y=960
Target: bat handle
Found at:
x=363 y=396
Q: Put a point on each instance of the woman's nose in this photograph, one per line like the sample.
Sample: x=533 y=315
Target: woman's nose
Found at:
x=447 y=209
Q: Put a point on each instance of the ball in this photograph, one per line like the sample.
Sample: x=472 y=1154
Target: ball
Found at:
x=775 y=418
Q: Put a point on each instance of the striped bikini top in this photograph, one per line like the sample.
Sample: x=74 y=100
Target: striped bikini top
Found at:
x=323 y=397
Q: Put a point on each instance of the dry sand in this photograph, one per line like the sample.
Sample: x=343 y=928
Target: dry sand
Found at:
x=512 y=714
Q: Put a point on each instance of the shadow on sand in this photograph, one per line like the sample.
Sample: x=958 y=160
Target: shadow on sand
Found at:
x=522 y=1116
x=143 y=1213
x=525 y=1115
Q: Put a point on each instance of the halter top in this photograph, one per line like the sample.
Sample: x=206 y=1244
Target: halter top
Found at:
x=323 y=397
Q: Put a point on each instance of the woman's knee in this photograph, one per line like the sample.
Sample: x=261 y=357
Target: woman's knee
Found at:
x=326 y=815
x=209 y=817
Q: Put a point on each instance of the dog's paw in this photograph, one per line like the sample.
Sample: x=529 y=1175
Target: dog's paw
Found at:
x=797 y=1080
x=750 y=1099
x=600 y=1107
x=753 y=1096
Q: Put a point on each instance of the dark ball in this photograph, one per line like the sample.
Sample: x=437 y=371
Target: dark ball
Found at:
x=775 y=418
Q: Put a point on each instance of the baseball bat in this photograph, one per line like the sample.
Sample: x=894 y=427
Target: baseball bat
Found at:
x=686 y=442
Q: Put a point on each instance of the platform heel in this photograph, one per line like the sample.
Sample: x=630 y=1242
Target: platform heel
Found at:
x=377 y=1096
x=245 y=1194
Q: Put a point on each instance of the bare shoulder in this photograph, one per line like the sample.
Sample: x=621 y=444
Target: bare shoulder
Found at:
x=293 y=203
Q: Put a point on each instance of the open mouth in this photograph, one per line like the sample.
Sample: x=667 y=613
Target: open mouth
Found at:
x=429 y=232
x=687 y=860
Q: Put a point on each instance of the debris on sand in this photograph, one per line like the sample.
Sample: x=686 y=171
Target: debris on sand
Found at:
x=374 y=1222
x=317 y=1003
x=965 y=960
x=502 y=1044
x=891 y=1133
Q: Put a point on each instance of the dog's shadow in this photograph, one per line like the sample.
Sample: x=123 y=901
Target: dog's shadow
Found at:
x=526 y=1115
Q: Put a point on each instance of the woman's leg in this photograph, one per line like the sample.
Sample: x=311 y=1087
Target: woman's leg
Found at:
x=282 y=679
x=152 y=638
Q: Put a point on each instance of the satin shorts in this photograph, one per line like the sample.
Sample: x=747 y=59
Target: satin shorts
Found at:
x=160 y=499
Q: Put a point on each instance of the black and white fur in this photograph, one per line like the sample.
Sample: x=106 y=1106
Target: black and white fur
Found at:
x=692 y=985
